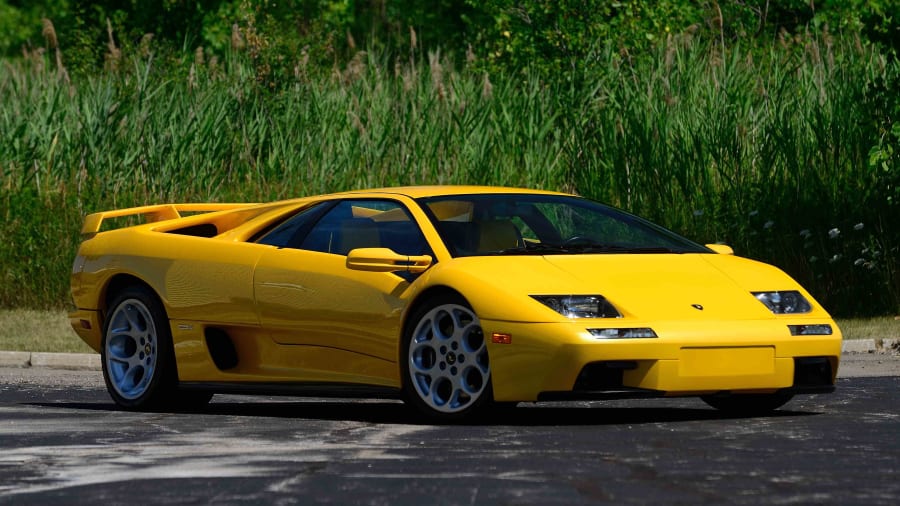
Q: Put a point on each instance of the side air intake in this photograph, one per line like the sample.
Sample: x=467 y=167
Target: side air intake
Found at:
x=221 y=348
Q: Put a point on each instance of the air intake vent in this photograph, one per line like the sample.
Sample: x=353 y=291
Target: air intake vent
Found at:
x=812 y=372
x=221 y=349
x=599 y=376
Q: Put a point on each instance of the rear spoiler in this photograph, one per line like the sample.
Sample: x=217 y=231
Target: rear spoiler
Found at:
x=152 y=214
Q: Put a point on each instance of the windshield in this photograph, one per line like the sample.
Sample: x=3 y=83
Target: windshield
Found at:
x=526 y=224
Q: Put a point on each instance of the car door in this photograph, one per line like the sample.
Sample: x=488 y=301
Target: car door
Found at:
x=307 y=296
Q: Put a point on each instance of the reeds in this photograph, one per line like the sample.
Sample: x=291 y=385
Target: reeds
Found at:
x=767 y=152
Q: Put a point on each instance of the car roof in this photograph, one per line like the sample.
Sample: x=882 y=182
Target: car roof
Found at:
x=445 y=190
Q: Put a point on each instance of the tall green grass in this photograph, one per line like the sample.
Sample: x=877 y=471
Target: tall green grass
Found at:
x=767 y=152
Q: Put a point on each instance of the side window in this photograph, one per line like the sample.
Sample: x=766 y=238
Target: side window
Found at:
x=355 y=224
x=295 y=228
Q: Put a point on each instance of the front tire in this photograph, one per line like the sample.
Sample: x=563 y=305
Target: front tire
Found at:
x=445 y=366
x=137 y=356
x=747 y=404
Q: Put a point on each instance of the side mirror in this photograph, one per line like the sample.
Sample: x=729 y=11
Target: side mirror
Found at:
x=721 y=249
x=385 y=260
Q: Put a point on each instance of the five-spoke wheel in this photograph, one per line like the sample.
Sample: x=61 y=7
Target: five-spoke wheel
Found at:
x=132 y=349
x=137 y=356
x=447 y=369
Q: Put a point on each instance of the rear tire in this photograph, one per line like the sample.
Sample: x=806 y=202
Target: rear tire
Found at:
x=137 y=356
x=747 y=404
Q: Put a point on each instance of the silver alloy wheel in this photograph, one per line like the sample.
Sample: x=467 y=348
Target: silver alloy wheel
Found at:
x=448 y=359
x=132 y=349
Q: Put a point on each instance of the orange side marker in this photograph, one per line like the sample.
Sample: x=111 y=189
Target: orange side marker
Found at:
x=498 y=338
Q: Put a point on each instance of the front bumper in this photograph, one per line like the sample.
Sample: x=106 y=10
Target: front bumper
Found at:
x=548 y=360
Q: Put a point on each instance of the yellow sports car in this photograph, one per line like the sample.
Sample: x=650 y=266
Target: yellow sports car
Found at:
x=451 y=297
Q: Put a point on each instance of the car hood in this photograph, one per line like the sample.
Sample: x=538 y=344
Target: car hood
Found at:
x=640 y=286
x=663 y=286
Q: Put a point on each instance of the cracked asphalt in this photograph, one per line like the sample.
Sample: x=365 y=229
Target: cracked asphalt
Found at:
x=63 y=441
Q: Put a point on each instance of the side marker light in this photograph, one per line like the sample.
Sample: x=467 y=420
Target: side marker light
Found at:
x=498 y=338
x=85 y=324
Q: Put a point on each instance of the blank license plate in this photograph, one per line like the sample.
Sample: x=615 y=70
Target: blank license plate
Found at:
x=731 y=361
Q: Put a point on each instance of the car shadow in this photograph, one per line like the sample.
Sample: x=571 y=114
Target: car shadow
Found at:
x=395 y=412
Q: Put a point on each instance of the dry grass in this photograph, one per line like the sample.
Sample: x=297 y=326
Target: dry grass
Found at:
x=39 y=330
x=887 y=327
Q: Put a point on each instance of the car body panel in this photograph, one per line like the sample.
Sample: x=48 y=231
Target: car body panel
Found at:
x=648 y=286
x=262 y=360
x=190 y=274
x=312 y=299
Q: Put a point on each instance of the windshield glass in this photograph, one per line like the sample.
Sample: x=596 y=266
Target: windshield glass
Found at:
x=525 y=224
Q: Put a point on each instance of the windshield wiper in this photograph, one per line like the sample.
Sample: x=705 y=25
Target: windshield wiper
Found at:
x=578 y=249
x=534 y=248
x=611 y=248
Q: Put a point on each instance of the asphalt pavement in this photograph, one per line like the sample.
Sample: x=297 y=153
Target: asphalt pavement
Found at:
x=62 y=440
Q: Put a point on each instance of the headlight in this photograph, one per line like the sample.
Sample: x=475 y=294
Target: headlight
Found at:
x=579 y=306
x=786 y=302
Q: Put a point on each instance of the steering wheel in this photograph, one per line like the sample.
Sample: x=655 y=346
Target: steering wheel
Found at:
x=578 y=239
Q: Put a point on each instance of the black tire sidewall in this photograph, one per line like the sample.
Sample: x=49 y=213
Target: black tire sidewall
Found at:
x=748 y=404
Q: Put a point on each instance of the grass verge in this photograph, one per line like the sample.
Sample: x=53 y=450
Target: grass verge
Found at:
x=887 y=327
x=49 y=331
x=38 y=330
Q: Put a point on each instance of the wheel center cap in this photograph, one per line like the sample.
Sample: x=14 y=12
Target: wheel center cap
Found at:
x=451 y=358
x=147 y=349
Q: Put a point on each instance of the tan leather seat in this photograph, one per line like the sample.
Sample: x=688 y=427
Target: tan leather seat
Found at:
x=496 y=235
